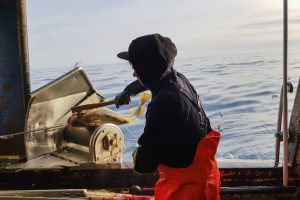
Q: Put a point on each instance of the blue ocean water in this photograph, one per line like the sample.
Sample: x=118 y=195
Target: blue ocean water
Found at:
x=240 y=94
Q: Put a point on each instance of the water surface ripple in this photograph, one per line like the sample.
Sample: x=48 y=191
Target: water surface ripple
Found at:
x=240 y=95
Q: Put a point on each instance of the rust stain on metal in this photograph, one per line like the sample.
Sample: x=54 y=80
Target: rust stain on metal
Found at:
x=7 y=86
x=227 y=173
x=9 y=157
x=248 y=173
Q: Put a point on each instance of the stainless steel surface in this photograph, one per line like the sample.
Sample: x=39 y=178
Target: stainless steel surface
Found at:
x=78 y=135
x=107 y=144
x=46 y=161
x=71 y=83
x=50 y=106
x=52 y=143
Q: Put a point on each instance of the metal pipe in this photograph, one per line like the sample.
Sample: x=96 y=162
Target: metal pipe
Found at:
x=79 y=135
x=285 y=106
x=52 y=128
x=23 y=49
x=279 y=121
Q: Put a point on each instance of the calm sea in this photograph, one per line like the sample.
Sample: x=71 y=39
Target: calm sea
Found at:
x=240 y=94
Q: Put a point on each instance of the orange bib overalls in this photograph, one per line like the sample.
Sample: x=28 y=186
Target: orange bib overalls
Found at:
x=199 y=181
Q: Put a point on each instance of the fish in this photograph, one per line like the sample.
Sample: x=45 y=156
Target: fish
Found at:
x=99 y=116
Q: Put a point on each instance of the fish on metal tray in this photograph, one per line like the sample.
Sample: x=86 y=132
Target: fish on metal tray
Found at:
x=99 y=116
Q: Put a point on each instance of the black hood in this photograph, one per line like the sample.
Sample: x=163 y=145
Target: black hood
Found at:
x=151 y=56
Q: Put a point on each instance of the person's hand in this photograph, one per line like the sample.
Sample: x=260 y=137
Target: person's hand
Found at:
x=122 y=99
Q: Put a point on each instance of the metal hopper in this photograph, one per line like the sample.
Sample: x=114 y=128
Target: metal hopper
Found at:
x=51 y=142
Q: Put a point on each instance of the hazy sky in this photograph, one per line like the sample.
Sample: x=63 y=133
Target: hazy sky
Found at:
x=63 y=32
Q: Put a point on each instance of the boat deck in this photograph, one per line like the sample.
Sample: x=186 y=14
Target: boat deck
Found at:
x=70 y=157
x=254 y=192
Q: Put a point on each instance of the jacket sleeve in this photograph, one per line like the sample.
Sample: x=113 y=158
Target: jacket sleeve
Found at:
x=135 y=88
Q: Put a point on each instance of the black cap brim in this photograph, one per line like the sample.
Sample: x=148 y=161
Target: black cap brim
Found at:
x=123 y=55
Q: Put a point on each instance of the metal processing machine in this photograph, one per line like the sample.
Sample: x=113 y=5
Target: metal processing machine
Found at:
x=51 y=142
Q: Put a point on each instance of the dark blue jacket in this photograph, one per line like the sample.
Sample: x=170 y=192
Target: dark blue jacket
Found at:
x=175 y=123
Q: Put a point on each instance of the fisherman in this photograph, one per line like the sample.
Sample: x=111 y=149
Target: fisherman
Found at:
x=178 y=140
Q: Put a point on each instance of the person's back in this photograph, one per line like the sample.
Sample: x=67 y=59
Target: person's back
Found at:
x=175 y=122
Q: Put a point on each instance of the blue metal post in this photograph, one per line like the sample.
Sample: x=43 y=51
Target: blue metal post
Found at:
x=14 y=70
x=14 y=80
